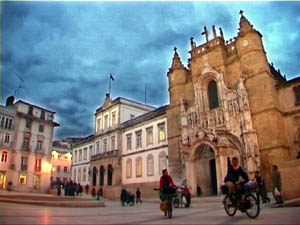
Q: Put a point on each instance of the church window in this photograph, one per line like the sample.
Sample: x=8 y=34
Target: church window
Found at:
x=297 y=94
x=213 y=95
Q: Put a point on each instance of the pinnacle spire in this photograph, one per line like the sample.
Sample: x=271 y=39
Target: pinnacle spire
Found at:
x=176 y=63
x=245 y=25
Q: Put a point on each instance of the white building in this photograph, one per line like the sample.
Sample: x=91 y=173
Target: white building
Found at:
x=106 y=160
x=82 y=152
x=144 y=149
x=27 y=164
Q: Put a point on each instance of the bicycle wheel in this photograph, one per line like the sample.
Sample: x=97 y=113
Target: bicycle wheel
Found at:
x=176 y=203
x=170 y=208
x=229 y=207
x=253 y=207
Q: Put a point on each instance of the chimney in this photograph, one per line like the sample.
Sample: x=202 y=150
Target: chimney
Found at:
x=10 y=101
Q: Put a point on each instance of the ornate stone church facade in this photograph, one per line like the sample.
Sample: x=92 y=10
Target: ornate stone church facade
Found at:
x=229 y=101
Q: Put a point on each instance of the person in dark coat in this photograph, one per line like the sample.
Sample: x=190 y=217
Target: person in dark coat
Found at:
x=101 y=192
x=87 y=189
x=80 y=189
x=276 y=180
x=123 y=196
x=138 y=196
x=94 y=192
x=261 y=188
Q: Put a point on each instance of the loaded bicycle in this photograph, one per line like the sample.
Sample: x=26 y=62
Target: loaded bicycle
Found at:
x=166 y=204
x=243 y=200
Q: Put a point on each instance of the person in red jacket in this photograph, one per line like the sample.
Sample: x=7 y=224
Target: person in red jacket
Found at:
x=166 y=182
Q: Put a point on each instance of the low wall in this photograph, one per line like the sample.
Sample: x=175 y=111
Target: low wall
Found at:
x=290 y=178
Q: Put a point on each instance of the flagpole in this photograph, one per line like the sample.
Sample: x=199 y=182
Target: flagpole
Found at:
x=109 y=84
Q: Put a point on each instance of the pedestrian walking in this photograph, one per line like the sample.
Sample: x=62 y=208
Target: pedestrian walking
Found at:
x=138 y=196
x=101 y=192
x=277 y=191
x=87 y=189
x=261 y=189
x=123 y=196
x=94 y=192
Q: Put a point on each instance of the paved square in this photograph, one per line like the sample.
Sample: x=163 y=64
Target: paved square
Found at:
x=147 y=213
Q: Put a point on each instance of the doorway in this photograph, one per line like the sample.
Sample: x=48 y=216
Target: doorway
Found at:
x=2 y=180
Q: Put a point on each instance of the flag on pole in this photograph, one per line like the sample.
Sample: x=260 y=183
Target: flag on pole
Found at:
x=112 y=78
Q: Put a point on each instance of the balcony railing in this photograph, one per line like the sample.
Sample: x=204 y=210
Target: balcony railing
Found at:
x=103 y=155
x=25 y=148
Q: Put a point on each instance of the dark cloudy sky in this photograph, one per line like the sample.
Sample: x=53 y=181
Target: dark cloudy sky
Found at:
x=65 y=50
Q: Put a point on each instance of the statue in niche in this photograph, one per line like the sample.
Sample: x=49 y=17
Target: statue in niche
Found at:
x=235 y=106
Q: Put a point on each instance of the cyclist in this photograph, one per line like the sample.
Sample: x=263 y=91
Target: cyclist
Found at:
x=235 y=179
x=166 y=184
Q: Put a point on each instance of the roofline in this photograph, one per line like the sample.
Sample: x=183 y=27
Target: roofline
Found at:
x=36 y=106
x=143 y=117
x=119 y=99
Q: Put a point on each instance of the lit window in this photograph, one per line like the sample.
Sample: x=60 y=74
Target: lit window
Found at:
x=149 y=132
x=139 y=167
x=4 y=157
x=128 y=168
x=38 y=165
x=161 y=132
x=22 y=178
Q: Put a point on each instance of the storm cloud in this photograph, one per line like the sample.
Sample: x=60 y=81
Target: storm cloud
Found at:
x=65 y=51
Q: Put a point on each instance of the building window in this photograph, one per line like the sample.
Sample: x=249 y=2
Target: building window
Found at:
x=128 y=168
x=79 y=174
x=297 y=94
x=75 y=156
x=110 y=171
x=213 y=95
x=138 y=135
x=28 y=124
x=102 y=171
x=85 y=154
x=150 y=165
x=106 y=121
x=113 y=143
x=42 y=115
x=162 y=159
x=7 y=138
x=149 y=132
x=22 y=178
x=4 y=157
x=30 y=110
x=65 y=169
x=38 y=165
x=6 y=123
x=132 y=116
x=161 y=132
x=113 y=118
x=24 y=162
x=97 y=147
x=91 y=151
x=58 y=169
x=139 y=167
x=128 y=140
x=74 y=174
x=99 y=124
x=39 y=145
x=104 y=145
x=80 y=155
x=26 y=143
x=2 y=121
x=10 y=124
x=41 y=128
x=84 y=174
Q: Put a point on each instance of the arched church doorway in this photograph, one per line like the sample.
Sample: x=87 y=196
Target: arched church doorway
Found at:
x=206 y=172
